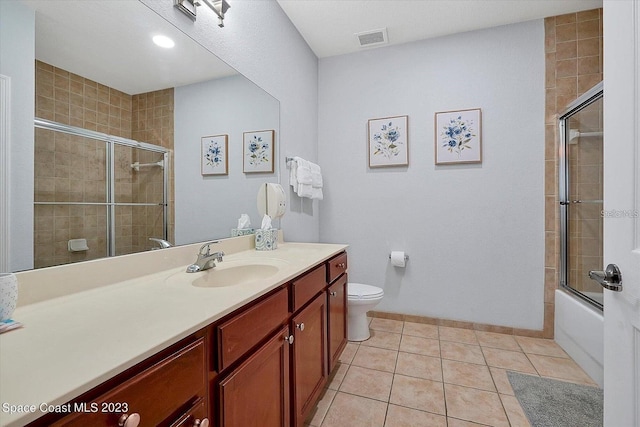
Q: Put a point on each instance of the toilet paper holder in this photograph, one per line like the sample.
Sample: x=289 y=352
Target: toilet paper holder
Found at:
x=406 y=257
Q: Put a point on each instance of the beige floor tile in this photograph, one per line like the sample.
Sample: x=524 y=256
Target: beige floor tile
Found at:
x=561 y=368
x=387 y=325
x=501 y=381
x=467 y=336
x=541 y=346
x=419 y=345
x=516 y=415
x=348 y=410
x=399 y=416
x=467 y=374
x=367 y=383
x=348 y=353
x=506 y=359
x=418 y=393
x=461 y=352
x=475 y=405
x=420 y=330
x=337 y=375
x=454 y=422
x=491 y=339
x=417 y=365
x=380 y=359
x=318 y=413
x=383 y=339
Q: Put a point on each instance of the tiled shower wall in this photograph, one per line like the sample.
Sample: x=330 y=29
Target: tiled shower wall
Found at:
x=573 y=49
x=70 y=168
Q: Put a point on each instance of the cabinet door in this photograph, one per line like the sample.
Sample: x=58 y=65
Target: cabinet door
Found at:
x=309 y=356
x=337 y=319
x=256 y=393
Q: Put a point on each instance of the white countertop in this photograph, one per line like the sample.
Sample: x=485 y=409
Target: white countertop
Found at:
x=72 y=343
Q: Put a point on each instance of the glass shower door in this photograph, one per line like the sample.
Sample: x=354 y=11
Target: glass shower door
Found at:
x=581 y=198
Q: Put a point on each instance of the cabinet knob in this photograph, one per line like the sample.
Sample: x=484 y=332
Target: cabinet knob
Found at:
x=201 y=423
x=289 y=339
x=333 y=294
x=341 y=265
x=300 y=326
x=127 y=420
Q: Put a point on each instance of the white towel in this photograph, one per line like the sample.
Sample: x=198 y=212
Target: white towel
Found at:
x=306 y=178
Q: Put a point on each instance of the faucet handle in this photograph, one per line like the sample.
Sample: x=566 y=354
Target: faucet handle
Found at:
x=206 y=245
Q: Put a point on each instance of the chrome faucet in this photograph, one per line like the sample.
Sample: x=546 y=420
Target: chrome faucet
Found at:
x=206 y=259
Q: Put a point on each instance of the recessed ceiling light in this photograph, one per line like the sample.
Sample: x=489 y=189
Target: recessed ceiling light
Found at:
x=163 y=41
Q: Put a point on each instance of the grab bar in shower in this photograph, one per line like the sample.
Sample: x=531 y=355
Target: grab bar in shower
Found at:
x=568 y=202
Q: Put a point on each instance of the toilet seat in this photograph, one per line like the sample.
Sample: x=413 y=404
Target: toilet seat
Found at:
x=363 y=292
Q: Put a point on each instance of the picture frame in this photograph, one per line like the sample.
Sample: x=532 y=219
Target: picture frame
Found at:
x=458 y=136
x=214 y=155
x=388 y=141
x=258 y=151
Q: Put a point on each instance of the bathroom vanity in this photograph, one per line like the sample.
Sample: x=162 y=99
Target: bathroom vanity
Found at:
x=250 y=342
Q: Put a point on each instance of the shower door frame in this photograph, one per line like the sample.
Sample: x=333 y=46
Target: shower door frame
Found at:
x=111 y=141
x=588 y=98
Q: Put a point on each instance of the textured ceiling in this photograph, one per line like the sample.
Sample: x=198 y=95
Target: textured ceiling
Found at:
x=329 y=26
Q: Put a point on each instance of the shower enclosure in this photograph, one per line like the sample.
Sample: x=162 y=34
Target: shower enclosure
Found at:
x=95 y=195
x=581 y=206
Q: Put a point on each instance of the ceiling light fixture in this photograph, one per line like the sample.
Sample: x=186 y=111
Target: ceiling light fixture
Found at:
x=163 y=41
x=189 y=8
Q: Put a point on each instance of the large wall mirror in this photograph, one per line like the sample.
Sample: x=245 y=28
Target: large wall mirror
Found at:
x=98 y=72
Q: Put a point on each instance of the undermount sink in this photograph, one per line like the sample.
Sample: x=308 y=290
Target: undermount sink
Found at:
x=229 y=273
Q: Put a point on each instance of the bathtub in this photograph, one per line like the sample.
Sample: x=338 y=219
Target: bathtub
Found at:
x=579 y=330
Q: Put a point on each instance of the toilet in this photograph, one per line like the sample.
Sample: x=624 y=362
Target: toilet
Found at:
x=362 y=298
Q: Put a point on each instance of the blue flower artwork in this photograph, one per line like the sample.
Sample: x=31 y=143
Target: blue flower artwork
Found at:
x=388 y=142
x=458 y=137
x=214 y=155
x=258 y=151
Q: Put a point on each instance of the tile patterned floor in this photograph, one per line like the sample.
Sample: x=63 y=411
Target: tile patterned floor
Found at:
x=410 y=375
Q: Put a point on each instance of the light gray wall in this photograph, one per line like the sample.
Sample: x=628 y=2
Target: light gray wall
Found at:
x=474 y=233
x=261 y=43
x=207 y=207
x=17 y=56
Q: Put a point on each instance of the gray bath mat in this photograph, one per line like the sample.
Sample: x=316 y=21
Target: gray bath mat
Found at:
x=552 y=403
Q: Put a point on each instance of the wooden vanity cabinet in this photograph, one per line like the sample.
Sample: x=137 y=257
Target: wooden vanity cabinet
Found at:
x=337 y=319
x=256 y=393
x=309 y=365
x=172 y=392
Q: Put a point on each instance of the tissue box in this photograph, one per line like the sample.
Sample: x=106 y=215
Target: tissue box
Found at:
x=266 y=240
x=235 y=232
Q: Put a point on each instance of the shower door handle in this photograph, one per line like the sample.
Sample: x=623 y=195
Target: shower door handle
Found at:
x=610 y=279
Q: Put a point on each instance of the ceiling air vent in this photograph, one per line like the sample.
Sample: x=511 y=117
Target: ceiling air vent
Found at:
x=372 y=38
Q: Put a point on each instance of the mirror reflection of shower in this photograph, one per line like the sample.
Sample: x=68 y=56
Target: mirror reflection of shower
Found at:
x=581 y=194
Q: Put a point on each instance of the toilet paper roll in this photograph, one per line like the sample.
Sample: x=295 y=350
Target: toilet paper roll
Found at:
x=398 y=259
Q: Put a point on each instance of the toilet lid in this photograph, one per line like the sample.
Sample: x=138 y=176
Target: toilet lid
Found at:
x=361 y=291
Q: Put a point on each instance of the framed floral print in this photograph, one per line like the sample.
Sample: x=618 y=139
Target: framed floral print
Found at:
x=458 y=137
x=215 y=155
x=388 y=142
x=258 y=151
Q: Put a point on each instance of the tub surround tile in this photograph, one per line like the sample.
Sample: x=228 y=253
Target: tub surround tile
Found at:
x=475 y=405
